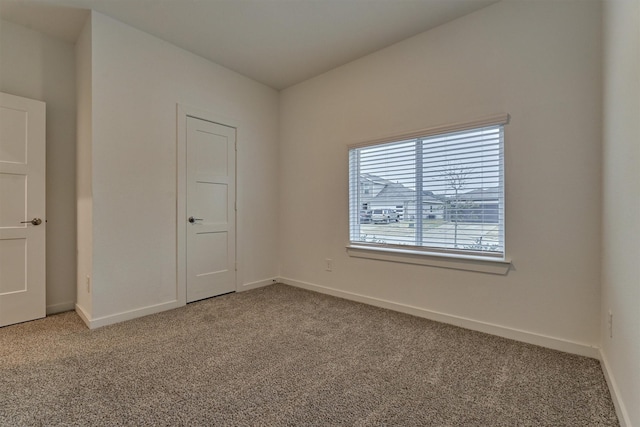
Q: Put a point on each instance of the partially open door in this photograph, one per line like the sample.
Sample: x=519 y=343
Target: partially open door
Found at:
x=22 y=209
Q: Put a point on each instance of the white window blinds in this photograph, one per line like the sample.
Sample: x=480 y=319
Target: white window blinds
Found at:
x=440 y=192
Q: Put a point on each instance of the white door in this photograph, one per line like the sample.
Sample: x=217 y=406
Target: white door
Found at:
x=22 y=209
x=211 y=190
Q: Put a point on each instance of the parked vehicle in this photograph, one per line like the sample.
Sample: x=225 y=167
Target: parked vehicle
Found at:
x=384 y=216
x=365 y=216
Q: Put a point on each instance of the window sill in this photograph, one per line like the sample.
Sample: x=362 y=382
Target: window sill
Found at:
x=456 y=262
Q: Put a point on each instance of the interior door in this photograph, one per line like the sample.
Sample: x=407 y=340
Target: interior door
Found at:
x=22 y=209
x=211 y=190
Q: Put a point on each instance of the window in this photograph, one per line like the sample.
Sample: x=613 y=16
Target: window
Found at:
x=440 y=192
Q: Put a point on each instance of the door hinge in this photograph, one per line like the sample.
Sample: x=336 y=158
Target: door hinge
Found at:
x=235 y=266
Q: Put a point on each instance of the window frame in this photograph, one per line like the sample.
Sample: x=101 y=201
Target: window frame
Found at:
x=464 y=259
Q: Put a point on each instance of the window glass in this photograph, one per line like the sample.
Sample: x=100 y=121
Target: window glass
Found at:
x=439 y=193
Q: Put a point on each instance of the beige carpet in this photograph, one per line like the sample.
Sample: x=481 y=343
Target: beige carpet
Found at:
x=281 y=356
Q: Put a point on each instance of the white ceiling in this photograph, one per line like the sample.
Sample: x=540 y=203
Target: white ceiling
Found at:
x=276 y=42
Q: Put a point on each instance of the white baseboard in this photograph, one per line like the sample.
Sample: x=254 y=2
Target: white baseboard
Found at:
x=621 y=409
x=257 y=284
x=60 y=308
x=133 y=314
x=83 y=315
x=126 y=315
x=475 y=325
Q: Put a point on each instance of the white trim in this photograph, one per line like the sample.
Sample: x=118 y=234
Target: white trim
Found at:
x=554 y=343
x=497 y=119
x=474 y=260
x=257 y=284
x=181 y=203
x=126 y=315
x=83 y=315
x=443 y=260
x=61 y=307
x=621 y=409
x=182 y=112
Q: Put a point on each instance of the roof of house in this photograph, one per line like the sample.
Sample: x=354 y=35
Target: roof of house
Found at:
x=481 y=194
x=374 y=179
x=395 y=191
x=399 y=191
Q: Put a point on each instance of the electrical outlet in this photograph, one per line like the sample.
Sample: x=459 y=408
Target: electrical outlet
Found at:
x=88 y=284
x=328 y=264
x=610 y=323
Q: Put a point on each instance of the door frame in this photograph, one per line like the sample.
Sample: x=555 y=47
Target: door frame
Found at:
x=182 y=113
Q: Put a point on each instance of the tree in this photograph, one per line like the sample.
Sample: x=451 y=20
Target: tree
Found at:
x=456 y=178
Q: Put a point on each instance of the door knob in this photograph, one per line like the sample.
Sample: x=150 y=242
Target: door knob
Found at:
x=192 y=219
x=34 y=221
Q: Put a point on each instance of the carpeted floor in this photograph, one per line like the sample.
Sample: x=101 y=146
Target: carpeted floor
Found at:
x=281 y=356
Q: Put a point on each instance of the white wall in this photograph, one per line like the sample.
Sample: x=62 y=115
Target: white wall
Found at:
x=37 y=66
x=84 y=163
x=538 y=61
x=137 y=80
x=621 y=204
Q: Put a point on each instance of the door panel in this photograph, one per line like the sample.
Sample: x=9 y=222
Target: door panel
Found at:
x=210 y=253
x=211 y=204
x=216 y=211
x=22 y=198
x=212 y=152
x=13 y=188
x=13 y=252
x=13 y=148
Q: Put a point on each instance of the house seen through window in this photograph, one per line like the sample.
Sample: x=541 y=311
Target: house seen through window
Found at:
x=436 y=193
